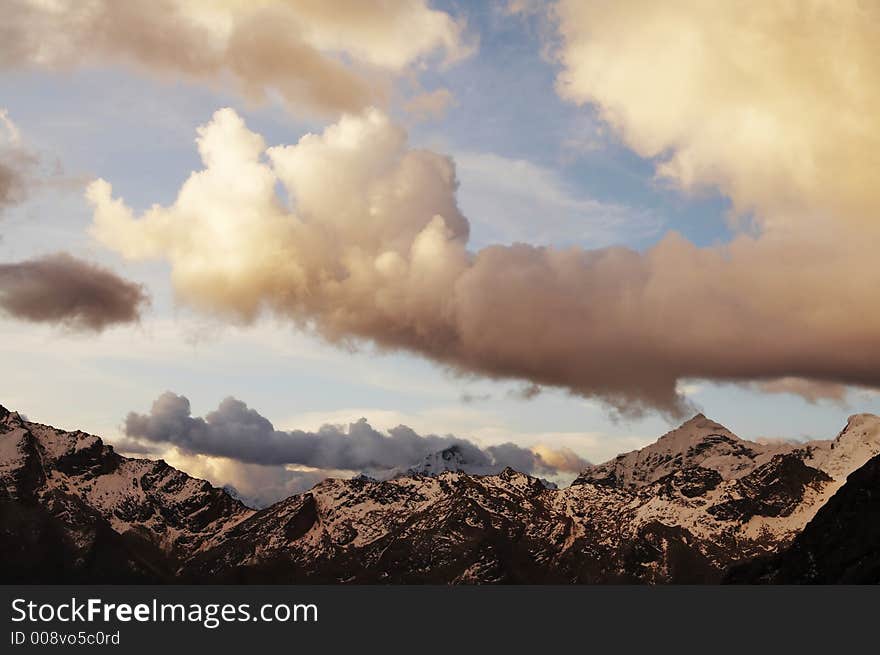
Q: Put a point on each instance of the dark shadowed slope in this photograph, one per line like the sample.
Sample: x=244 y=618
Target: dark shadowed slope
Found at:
x=841 y=545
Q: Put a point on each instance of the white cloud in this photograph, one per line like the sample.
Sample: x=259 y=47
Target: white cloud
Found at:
x=774 y=105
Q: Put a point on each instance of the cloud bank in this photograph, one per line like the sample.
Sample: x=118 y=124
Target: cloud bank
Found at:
x=369 y=245
x=64 y=290
x=236 y=432
x=256 y=485
x=315 y=55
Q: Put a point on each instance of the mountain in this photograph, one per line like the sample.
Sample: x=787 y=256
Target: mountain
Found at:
x=681 y=510
x=448 y=459
x=841 y=545
x=73 y=510
x=698 y=442
x=453 y=459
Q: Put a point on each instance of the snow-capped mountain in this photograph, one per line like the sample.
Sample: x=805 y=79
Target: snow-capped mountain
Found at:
x=73 y=509
x=453 y=459
x=683 y=509
x=697 y=442
x=448 y=459
x=841 y=545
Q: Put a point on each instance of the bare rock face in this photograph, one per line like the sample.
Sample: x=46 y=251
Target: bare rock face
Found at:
x=681 y=510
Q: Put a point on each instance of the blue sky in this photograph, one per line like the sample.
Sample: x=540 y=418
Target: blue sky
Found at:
x=532 y=167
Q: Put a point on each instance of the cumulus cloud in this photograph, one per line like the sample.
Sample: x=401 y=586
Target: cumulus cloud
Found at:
x=562 y=459
x=64 y=290
x=256 y=485
x=774 y=106
x=371 y=246
x=315 y=55
x=236 y=432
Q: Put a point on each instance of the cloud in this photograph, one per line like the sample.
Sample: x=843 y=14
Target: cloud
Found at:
x=236 y=432
x=773 y=106
x=55 y=288
x=515 y=200
x=371 y=246
x=260 y=486
x=525 y=392
x=431 y=105
x=255 y=484
x=67 y=291
x=809 y=390
x=467 y=398
x=17 y=164
x=522 y=7
x=561 y=459
x=319 y=56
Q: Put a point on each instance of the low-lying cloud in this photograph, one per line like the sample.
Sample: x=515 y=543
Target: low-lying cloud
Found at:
x=239 y=433
x=67 y=291
x=315 y=55
x=256 y=485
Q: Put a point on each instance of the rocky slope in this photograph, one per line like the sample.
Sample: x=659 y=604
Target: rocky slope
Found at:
x=841 y=545
x=681 y=510
x=71 y=509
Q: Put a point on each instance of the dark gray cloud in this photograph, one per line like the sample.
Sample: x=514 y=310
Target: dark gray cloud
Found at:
x=64 y=290
x=237 y=432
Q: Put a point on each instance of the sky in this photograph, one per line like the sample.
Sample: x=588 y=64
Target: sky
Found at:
x=563 y=226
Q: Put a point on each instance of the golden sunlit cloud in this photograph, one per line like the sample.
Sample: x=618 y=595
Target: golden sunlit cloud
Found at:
x=317 y=56
x=773 y=103
x=371 y=246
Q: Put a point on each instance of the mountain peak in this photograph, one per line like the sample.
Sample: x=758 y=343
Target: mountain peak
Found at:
x=701 y=420
x=862 y=419
x=449 y=459
x=699 y=441
x=692 y=431
x=691 y=503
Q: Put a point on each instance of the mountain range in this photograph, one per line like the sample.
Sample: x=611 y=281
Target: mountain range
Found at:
x=699 y=505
